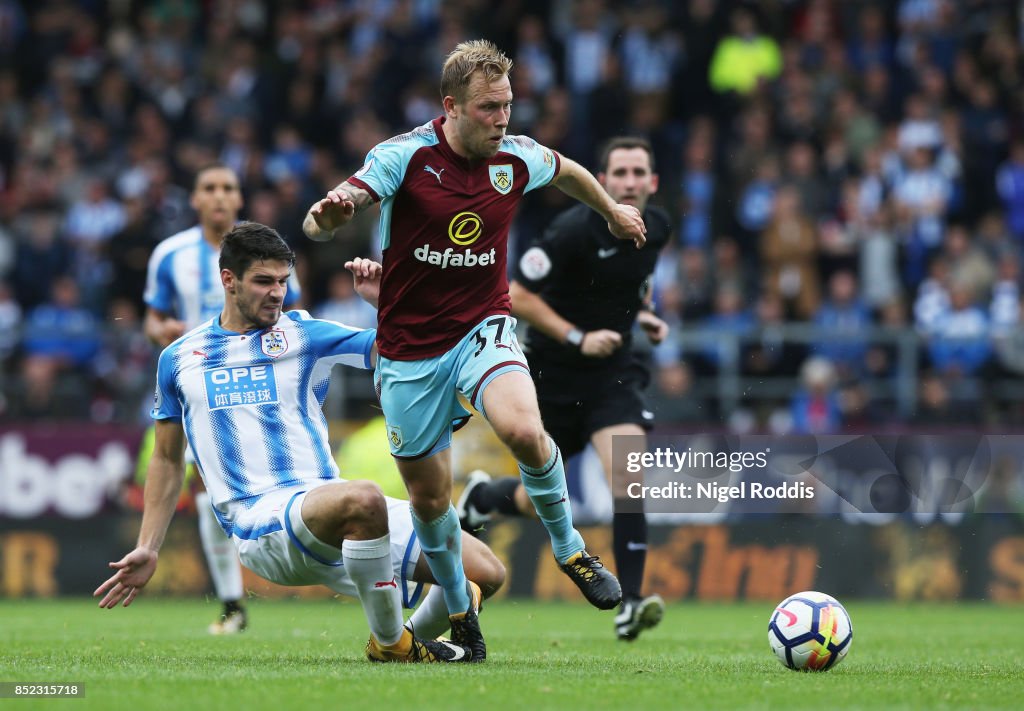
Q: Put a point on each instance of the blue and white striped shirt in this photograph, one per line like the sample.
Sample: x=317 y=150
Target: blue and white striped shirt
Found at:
x=183 y=279
x=250 y=403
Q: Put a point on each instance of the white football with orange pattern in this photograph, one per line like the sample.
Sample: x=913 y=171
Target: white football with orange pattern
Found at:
x=810 y=631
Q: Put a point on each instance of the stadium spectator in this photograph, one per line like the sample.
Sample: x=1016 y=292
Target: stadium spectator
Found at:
x=935 y=406
x=841 y=323
x=650 y=48
x=697 y=193
x=129 y=252
x=8 y=251
x=1004 y=309
x=754 y=208
x=960 y=342
x=882 y=359
x=123 y=366
x=692 y=94
x=693 y=280
x=42 y=256
x=922 y=194
x=344 y=305
x=60 y=337
x=932 y=300
x=769 y=354
x=673 y=397
x=870 y=44
x=878 y=258
x=815 y=408
x=803 y=174
x=745 y=58
x=730 y=322
x=537 y=56
x=735 y=268
x=789 y=253
x=1010 y=185
x=10 y=324
x=970 y=266
x=1004 y=314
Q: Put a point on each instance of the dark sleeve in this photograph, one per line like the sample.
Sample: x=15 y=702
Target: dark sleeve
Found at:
x=546 y=259
x=659 y=226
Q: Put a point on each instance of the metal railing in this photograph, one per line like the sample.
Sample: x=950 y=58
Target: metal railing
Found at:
x=730 y=385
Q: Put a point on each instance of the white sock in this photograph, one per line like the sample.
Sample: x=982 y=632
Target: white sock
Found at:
x=430 y=619
x=369 y=566
x=221 y=556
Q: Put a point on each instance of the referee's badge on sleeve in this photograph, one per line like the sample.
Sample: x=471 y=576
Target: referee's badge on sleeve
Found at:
x=535 y=264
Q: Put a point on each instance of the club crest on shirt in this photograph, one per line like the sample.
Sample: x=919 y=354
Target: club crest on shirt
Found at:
x=501 y=177
x=274 y=343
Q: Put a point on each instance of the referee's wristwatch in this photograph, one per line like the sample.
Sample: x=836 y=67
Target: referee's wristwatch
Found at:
x=575 y=338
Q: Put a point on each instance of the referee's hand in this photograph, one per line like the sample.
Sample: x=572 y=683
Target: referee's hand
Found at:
x=600 y=343
x=654 y=327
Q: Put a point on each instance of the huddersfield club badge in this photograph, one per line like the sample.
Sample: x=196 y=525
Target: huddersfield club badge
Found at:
x=501 y=177
x=274 y=343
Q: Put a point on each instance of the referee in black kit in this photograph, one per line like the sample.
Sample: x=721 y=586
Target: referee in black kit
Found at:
x=581 y=291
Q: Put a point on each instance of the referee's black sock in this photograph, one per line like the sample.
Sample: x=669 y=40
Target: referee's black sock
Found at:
x=497 y=495
x=629 y=542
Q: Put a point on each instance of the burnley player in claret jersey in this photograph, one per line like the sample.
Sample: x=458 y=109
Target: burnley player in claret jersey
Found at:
x=448 y=192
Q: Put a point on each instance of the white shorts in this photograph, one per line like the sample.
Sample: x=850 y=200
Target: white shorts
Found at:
x=274 y=542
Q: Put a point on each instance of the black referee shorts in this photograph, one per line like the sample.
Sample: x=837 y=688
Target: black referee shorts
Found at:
x=576 y=403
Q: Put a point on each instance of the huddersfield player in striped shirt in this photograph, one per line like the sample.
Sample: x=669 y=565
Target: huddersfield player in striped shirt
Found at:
x=183 y=290
x=246 y=389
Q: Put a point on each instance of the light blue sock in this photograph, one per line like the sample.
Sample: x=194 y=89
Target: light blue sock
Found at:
x=546 y=488
x=441 y=541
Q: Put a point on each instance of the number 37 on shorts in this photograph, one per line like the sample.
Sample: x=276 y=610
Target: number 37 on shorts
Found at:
x=420 y=398
x=497 y=333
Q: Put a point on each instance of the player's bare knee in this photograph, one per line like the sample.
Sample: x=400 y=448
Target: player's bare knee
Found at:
x=364 y=510
x=492 y=576
x=482 y=566
x=428 y=505
x=526 y=439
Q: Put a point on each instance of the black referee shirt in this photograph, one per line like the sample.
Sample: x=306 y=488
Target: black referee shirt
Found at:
x=591 y=279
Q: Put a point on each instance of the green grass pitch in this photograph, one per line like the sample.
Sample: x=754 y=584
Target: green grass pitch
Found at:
x=308 y=654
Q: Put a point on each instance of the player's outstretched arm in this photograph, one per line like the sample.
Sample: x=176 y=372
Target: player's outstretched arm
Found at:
x=366 y=275
x=334 y=210
x=624 y=221
x=163 y=485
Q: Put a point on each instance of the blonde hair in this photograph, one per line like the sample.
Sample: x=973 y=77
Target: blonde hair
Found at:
x=470 y=57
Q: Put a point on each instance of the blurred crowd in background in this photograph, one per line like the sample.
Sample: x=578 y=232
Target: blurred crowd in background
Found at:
x=846 y=180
